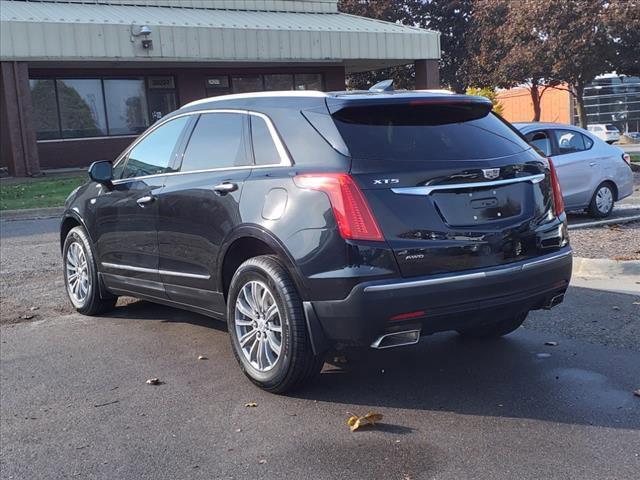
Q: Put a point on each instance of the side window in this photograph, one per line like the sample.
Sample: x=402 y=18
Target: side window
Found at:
x=569 y=141
x=540 y=141
x=264 y=149
x=153 y=154
x=217 y=141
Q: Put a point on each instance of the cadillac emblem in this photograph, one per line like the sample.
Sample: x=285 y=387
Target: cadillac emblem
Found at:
x=491 y=173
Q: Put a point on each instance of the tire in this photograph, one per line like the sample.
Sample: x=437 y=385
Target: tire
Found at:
x=280 y=308
x=602 y=202
x=84 y=293
x=495 y=330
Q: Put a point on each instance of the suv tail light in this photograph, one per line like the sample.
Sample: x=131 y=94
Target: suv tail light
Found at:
x=627 y=158
x=558 y=203
x=353 y=215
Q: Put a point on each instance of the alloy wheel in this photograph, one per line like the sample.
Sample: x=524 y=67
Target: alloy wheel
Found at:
x=258 y=325
x=78 y=278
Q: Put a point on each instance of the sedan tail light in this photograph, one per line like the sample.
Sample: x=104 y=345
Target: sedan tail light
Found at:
x=350 y=208
x=558 y=203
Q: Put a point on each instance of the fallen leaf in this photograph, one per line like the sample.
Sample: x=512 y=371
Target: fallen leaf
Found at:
x=26 y=317
x=637 y=392
x=355 y=421
x=251 y=404
x=551 y=344
x=202 y=357
x=262 y=461
x=153 y=381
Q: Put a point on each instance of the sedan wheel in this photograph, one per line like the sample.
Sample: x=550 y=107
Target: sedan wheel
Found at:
x=602 y=202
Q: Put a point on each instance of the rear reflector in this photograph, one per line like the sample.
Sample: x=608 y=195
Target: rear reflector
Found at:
x=408 y=316
x=558 y=203
x=353 y=215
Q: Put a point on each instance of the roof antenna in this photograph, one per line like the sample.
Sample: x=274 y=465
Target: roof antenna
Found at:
x=383 y=86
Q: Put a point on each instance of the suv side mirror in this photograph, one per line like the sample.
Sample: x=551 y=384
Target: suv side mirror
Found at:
x=101 y=172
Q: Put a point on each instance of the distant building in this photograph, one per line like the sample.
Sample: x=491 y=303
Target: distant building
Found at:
x=555 y=105
x=609 y=99
x=80 y=79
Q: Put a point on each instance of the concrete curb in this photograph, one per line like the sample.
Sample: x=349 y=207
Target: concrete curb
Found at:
x=603 y=267
x=610 y=221
x=30 y=213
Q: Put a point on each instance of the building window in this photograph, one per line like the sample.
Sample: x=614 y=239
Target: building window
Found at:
x=613 y=99
x=278 y=81
x=274 y=81
x=96 y=107
x=45 y=114
x=126 y=106
x=81 y=105
x=246 y=83
x=308 y=81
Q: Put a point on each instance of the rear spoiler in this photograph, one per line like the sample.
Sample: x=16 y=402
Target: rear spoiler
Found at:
x=339 y=102
x=409 y=109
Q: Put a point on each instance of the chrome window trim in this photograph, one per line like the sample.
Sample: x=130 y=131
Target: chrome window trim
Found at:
x=428 y=189
x=285 y=159
x=468 y=276
x=83 y=139
x=152 y=270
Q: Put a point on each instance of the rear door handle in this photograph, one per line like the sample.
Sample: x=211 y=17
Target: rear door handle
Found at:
x=146 y=200
x=225 y=187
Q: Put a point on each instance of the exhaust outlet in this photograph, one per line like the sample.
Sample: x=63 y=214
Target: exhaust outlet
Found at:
x=396 y=339
x=557 y=300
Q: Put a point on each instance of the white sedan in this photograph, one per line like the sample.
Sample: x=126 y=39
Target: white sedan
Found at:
x=593 y=174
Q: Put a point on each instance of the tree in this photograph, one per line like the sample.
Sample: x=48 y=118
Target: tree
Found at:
x=577 y=38
x=454 y=20
x=623 y=22
x=489 y=93
x=509 y=50
x=407 y=12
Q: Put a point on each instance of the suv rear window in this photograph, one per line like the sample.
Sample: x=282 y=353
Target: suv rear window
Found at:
x=425 y=133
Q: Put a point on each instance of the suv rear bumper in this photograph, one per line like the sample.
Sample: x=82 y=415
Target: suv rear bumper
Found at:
x=449 y=301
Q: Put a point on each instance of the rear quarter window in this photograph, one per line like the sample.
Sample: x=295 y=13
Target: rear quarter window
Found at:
x=415 y=134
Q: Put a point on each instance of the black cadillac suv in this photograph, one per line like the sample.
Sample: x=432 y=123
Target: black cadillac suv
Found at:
x=314 y=221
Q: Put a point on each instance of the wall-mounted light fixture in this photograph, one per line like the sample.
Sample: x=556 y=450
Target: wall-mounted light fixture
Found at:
x=144 y=31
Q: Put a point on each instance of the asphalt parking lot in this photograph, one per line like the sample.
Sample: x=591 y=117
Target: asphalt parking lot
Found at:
x=74 y=402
